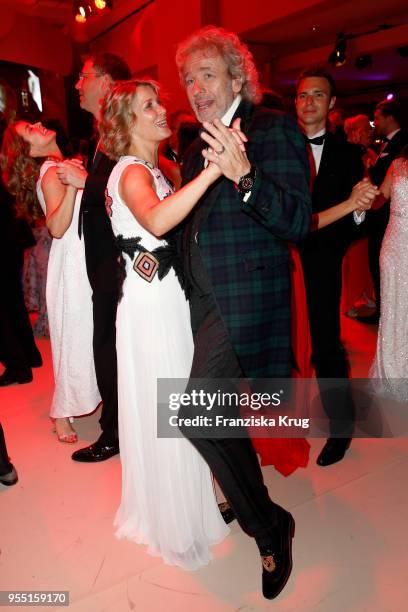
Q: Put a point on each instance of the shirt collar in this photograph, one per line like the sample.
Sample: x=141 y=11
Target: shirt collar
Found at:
x=320 y=133
x=227 y=118
x=392 y=134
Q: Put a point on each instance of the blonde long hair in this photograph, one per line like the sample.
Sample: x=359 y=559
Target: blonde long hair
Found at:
x=118 y=117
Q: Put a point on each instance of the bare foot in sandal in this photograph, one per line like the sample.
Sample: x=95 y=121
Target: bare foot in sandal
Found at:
x=64 y=430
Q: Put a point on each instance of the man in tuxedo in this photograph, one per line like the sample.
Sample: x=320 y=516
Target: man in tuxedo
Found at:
x=336 y=166
x=236 y=259
x=387 y=121
x=98 y=74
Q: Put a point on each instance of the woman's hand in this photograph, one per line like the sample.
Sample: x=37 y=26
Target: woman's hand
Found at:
x=212 y=171
x=362 y=196
x=71 y=172
x=226 y=148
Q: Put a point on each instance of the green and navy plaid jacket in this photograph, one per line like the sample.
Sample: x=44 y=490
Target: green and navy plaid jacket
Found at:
x=244 y=246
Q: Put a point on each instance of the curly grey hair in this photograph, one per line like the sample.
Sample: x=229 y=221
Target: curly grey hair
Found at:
x=235 y=53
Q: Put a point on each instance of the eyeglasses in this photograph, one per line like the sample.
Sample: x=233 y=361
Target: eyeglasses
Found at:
x=83 y=75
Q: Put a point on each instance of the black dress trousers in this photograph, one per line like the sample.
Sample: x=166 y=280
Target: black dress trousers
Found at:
x=233 y=461
x=102 y=267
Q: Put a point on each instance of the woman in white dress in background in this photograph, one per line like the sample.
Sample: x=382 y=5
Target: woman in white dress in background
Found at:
x=168 y=501
x=390 y=366
x=31 y=156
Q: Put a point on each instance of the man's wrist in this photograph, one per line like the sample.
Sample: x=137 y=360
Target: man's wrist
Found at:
x=245 y=183
x=244 y=171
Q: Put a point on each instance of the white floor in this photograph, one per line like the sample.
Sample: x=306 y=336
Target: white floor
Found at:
x=350 y=549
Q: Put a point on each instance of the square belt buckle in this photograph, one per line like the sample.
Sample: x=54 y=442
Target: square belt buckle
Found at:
x=146 y=266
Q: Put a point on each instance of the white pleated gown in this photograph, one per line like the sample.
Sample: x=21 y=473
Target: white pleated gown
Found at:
x=168 y=500
x=69 y=306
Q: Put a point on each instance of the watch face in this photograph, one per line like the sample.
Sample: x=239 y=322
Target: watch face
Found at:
x=246 y=183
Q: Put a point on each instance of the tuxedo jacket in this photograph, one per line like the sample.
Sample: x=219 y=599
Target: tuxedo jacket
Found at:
x=389 y=153
x=100 y=246
x=244 y=245
x=341 y=167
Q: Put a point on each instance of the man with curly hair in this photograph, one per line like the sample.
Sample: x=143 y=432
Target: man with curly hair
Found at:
x=236 y=258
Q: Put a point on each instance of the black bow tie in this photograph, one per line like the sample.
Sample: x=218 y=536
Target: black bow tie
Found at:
x=319 y=140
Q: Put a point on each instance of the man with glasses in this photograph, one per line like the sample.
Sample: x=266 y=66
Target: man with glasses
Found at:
x=98 y=74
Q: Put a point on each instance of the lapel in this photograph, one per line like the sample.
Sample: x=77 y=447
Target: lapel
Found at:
x=325 y=161
x=207 y=202
x=197 y=162
x=96 y=161
x=245 y=112
x=393 y=146
x=391 y=150
x=383 y=154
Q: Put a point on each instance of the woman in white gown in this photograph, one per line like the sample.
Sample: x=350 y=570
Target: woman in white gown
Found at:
x=168 y=501
x=390 y=366
x=68 y=294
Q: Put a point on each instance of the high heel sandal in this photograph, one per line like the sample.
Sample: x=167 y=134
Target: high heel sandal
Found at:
x=68 y=438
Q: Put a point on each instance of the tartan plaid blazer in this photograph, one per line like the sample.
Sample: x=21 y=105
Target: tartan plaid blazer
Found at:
x=244 y=245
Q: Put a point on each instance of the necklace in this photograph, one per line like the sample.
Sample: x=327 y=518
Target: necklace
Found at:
x=54 y=158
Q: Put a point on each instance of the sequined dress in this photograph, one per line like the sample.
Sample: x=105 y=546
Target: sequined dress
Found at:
x=168 y=500
x=390 y=366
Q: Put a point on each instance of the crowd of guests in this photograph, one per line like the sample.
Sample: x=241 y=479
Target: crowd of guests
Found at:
x=172 y=257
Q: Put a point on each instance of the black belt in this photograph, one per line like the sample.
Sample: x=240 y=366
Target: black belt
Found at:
x=149 y=263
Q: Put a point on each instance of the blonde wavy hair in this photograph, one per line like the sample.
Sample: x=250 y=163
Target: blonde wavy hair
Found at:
x=20 y=172
x=118 y=117
x=235 y=53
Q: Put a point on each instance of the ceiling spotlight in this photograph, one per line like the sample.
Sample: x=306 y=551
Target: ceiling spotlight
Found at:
x=338 y=56
x=87 y=8
x=100 y=4
x=103 y=4
x=363 y=61
x=82 y=10
x=389 y=97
